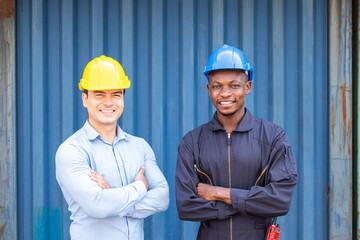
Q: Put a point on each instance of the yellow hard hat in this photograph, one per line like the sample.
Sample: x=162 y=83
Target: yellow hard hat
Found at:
x=103 y=73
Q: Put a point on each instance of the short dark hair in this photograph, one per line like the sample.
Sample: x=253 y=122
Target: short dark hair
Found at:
x=86 y=91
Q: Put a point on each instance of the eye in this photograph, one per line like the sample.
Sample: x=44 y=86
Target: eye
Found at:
x=215 y=87
x=235 y=86
x=118 y=94
x=98 y=94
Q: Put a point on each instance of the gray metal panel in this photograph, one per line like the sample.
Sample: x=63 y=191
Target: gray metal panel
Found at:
x=340 y=103
x=8 y=209
x=163 y=46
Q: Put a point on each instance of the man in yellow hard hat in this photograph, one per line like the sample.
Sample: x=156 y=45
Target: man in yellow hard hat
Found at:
x=109 y=178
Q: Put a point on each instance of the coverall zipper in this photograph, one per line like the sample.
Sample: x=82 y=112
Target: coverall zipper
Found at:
x=203 y=173
x=229 y=180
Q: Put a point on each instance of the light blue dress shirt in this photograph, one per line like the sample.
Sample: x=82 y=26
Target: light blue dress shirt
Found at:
x=116 y=213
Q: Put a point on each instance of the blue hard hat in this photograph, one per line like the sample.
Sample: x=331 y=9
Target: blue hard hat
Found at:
x=228 y=57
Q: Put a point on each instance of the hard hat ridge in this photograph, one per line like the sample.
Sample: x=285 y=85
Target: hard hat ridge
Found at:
x=228 y=57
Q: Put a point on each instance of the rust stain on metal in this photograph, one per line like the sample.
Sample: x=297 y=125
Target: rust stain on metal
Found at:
x=7 y=41
x=344 y=109
x=340 y=236
x=332 y=118
x=7 y=8
x=332 y=201
x=2 y=229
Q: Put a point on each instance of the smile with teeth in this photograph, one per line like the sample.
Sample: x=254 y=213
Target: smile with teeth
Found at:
x=107 y=110
x=226 y=103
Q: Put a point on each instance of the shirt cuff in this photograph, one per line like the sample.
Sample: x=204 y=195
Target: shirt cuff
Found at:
x=224 y=210
x=238 y=197
x=140 y=188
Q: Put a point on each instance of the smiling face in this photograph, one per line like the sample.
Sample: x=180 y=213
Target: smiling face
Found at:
x=104 y=107
x=227 y=89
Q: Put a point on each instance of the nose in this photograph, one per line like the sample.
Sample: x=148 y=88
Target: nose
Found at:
x=108 y=100
x=225 y=91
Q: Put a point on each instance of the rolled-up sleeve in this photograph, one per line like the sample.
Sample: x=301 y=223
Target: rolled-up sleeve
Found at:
x=72 y=173
x=274 y=198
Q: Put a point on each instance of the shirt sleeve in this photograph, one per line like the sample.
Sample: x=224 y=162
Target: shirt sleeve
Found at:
x=274 y=198
x=191 y=207
x=157 y=196
x=72 y=173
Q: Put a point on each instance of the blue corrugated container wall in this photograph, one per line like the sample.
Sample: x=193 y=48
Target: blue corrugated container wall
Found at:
x=163 y=47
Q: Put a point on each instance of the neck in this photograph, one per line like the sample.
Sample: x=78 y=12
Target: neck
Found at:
x=230 y=122
x=107 y=132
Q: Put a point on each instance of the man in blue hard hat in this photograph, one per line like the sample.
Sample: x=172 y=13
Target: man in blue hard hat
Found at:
x=236 y=172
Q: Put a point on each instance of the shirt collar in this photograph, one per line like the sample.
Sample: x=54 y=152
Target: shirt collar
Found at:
x=246 y=123
x=92 y=133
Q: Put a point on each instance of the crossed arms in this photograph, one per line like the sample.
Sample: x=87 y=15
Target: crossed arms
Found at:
x=139 y=199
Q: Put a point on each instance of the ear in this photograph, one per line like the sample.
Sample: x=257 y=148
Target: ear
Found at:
x=84 y=98
x=208 y=88
x=248 y=87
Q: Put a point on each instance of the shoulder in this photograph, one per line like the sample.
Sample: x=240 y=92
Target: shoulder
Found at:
x=75 y=143
x=267 y=131
x=134 y=139
x=137 y=142
x=193 y=136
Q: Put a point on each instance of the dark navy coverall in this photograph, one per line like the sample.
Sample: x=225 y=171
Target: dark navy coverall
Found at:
x=210 y=155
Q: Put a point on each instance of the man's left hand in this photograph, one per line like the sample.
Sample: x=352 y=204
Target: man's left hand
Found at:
x=99 y=179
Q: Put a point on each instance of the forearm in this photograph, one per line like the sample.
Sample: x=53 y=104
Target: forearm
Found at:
x=156 y=200
x=269 y=201
x=214 y=193
x=192 y=207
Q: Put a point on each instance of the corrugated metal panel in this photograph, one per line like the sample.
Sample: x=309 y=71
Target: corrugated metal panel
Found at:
x=340 y=102
x=8 y=228
x=356 y=84
x=163 y=47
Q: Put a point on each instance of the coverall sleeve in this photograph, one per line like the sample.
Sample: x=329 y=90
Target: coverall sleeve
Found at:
x=72 y=173
x=157 y=196
x=191 y=207
x=274 y=197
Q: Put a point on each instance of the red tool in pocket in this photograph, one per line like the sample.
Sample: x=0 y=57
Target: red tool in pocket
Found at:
x=274 y=230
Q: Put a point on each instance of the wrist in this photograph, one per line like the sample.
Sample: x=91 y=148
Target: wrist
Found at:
x=223 y=194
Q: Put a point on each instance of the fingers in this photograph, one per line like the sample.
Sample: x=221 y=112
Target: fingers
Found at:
x=142 y=170
x=99 y=179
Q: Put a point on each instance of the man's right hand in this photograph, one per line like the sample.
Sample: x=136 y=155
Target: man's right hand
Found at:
x=140 y=176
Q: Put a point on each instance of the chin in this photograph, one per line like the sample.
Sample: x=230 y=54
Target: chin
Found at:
x=228 y=114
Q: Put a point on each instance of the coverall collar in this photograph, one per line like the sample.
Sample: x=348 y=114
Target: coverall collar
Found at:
x=246 y=123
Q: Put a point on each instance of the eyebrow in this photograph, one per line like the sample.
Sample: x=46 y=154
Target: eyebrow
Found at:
x=232 y=81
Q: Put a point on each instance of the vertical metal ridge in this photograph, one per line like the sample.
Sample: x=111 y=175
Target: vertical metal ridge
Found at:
x=128 y=61
x=307 y=108
x=37 y=119
x=277 y=70
x=157 y=96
